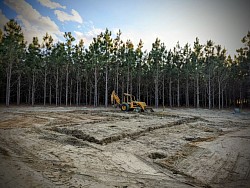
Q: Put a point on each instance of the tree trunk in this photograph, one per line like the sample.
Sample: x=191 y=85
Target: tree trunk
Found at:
x=77 y=88
x=18 y=89
x=67 y=83
x=33 y=89
x=187 y=92
x=90 y=95
x=44 y=87
x=226 y=95
x=139 y=87
x=194 y=93
x=240 y=101
x=219 y=97
x=117 y=79
x=86 y=92
x=122 y=87
x=163 y=92
x=98 y=96
x=147 y=95
x=70 y=92
x=150 y=99
x=57 y=86
x=9 y=72
x=222 y=99
x=205 y=98
x=157 y=88
x=213 y=98
x=95 y=96
x=80 y=92
x=128 y=81
x=170 y=92
x=178 y=91
x=156 y=93
x=60 y=93
x=106 y=86
x=173 y=99
x=131 y=83
x=209 y=90
x=29 y=92
x=197 y=92
x=50 y=92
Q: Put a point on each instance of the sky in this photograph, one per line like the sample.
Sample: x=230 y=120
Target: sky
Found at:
x=225 y=22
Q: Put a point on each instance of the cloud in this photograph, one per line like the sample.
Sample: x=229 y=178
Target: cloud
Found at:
x=91 y=31
x=50 y=4
x=94 y=32
x=32 y=22
x=3 y=19
x=79 y=35
x=88 y=36
x=63 y=16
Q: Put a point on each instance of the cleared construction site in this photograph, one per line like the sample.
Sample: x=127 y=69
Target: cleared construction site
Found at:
x=107 y=147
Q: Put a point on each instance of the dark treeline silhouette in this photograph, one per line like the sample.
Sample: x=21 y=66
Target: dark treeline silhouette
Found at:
x=65 y=73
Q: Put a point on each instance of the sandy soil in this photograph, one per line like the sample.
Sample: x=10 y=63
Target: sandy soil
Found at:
x=98 y=147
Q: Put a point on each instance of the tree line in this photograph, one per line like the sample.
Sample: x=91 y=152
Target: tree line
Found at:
x=67 y=73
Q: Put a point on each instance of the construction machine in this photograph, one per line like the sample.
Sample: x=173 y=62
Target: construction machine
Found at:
x=129 y=103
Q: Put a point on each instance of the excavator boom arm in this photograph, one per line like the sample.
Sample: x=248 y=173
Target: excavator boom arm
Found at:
x=115 y=98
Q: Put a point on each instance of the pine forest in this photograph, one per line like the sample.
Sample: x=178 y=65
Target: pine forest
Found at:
x=70 y=74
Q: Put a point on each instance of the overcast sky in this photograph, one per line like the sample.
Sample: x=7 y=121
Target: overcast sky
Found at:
x=225 y=22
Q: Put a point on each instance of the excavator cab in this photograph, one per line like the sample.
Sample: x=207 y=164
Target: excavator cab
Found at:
x=128 y=98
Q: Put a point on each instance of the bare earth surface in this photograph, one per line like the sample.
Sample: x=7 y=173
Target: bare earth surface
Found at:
x=98 y=147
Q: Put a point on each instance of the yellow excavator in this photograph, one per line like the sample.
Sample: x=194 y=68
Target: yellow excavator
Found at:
x=129 y=103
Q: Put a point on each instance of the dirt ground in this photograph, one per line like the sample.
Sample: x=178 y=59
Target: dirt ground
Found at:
x=98 y=147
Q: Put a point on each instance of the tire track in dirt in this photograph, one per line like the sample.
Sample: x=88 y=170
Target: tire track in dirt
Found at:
x=56 y=171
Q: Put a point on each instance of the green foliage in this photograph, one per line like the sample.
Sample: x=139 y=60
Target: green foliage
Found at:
x=125 y=64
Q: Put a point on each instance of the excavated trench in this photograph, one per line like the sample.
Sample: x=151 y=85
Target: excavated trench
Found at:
x=4 y=152
x=79 y=134
x=157 y=155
